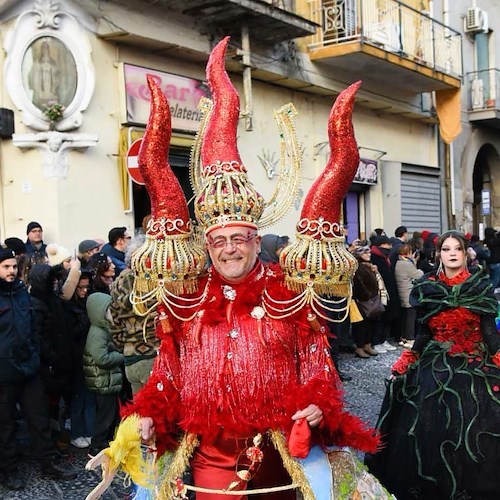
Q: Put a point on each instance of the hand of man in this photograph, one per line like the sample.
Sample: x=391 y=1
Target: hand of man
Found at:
x=312 y=414
x=147 y=430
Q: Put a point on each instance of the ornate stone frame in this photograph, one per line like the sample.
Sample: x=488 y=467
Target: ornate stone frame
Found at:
x=47 y=20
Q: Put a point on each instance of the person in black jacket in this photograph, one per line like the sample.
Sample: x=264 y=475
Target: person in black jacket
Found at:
x=390 y=321
x=19 y=379
x=55 y=336
x=82 y=402
x=492 y=241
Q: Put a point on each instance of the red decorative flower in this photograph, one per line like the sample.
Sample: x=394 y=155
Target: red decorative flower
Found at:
x=496 y=358
x=460 y=328
x=496 y=388
x=406 y=359
x=255 y=454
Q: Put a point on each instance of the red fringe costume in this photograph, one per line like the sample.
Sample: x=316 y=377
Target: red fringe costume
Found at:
x=227 y=370
x=226 y=381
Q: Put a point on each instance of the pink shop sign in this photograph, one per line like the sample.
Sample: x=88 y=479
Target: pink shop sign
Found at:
x=182 y=93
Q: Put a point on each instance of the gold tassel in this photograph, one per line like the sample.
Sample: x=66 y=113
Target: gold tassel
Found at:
x=177 y=466
x=354 y=314
x=164 y=322
x=294 y=469
x=313 y=321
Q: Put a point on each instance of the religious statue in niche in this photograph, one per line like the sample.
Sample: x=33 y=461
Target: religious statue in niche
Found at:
x=49 y=73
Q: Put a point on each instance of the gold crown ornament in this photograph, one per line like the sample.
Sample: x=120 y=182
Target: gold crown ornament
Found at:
x=224 y=195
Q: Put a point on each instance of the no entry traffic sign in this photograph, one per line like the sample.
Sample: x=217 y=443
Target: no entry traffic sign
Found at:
x=132 y=163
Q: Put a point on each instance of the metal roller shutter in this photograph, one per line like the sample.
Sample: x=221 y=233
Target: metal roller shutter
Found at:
x=421 y=201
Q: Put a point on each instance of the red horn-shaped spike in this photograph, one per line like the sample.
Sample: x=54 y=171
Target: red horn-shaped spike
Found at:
x=324 y=199
x=219 y=142
x=167 y=198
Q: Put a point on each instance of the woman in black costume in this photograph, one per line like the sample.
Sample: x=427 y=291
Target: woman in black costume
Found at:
x=440 y=419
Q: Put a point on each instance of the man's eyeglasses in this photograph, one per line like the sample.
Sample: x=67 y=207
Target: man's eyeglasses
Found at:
x=83 y=287
x=235 y=241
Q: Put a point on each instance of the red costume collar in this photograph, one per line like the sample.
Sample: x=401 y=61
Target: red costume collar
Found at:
x=456 y=280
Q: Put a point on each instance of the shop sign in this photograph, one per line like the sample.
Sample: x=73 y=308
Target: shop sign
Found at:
x=183 y=95
x=367 y=172
x=486 y=201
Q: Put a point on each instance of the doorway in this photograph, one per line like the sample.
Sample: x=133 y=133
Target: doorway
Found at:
x=486 y=177
x=179 y=161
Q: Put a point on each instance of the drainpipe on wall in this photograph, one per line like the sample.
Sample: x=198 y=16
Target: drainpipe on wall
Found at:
x=449 y=164
x=449 y=185
x=247 y=78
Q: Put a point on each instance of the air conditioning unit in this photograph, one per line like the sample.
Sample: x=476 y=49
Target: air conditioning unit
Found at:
x=476 y=20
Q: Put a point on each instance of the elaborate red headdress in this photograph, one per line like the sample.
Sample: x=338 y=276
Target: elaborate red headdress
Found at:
x=319 y=257
x=170 y=258
x=226 y=196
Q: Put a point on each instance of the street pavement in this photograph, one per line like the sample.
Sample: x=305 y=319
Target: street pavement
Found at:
x=363 y=395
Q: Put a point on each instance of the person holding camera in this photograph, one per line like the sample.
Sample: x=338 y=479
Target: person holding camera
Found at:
x=406 y=273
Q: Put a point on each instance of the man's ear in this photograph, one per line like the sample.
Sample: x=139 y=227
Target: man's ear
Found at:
x=258 y=240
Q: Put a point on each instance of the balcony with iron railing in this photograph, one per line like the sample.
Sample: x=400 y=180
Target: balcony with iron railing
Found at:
x=387 y=42
x=269 y=21
x=484 y=97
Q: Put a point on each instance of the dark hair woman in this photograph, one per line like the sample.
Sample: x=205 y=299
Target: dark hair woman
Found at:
x=365 y=286
x=440 y=415
x=102 y=270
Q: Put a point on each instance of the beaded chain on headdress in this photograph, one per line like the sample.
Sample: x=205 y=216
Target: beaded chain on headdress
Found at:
x=318 y=265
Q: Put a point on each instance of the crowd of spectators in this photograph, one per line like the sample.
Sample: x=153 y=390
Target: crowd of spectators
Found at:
x=94 y=351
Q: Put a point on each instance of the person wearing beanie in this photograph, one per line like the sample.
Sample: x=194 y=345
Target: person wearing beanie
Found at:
x=19 y=380
x=35 y=247
x=19 y=248
x=17 y=245
x=86 y=249
x=376 y=233
x=66 y=269
x=58 y=255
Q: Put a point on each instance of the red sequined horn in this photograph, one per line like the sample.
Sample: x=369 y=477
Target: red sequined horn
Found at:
x=167 y=198
x=226 y=197
x=324 y=199
x=219 y=142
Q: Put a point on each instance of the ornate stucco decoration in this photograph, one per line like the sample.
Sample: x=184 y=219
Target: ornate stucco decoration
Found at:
x=55 y=147
x=50 y=78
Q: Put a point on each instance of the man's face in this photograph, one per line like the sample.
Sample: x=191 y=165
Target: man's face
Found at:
x=122 y=243
x=233 y=251
x=8 y=270
x=35 y=236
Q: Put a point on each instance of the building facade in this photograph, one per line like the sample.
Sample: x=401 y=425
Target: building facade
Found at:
x=73 y=85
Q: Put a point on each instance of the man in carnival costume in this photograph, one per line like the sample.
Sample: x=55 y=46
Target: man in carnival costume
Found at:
x=243 y=386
